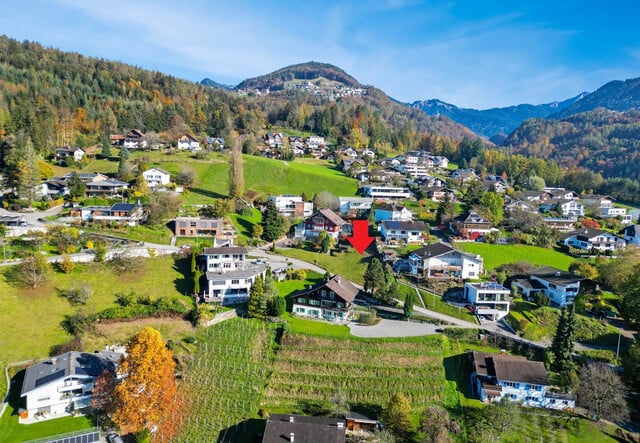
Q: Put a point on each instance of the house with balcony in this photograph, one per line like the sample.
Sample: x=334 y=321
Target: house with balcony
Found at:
x=354 y=206
x=133 y=139
x=130 y=214
x=106 y=188
x=589 y=239
x=566 y=207
x=65 y=152
x=62 y=385
x=325 y=220
x=201 y=227
x=392 y=211
x=408 y=232
x=230 y=275
x=489 y=299
x=441 y=261
x=560 y=287
x=290 y=205
x=498 y=376
x=331 y=300
x=156 y=177
x=386 y=192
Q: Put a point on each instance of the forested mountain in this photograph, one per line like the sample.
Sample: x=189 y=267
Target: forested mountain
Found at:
x=616 y=96
x=214 y=84
x=604 y=141
x=494 y=123
x=57 y=98
x=302 y=71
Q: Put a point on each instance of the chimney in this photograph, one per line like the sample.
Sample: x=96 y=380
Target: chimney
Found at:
x=54 y=360
x=502 y=352
x=292 y=436
x=291 y=419
x=340 y=425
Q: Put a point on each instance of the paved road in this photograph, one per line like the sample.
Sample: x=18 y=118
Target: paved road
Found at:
x=393 y=328
x=36 y=218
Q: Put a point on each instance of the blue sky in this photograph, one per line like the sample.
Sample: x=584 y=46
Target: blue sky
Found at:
x=474 y=53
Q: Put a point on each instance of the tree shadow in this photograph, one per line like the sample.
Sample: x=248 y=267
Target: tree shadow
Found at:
x=247 y=431
x=207 y=193
x=183 y=284
x=13 y=397
x=457 y=369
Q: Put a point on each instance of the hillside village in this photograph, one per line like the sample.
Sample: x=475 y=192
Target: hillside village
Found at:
x=498 y=298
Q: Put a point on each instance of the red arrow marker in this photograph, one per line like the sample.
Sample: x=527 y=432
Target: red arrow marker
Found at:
x=360 y=239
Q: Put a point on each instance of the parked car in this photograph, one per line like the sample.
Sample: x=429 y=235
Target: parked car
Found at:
x=112 y=437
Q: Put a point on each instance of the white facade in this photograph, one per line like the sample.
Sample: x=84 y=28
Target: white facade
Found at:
x=414 y=170
x=442 y=261
x=229 y=275
x=488 y=299
x=188 y=143
x=408 y=232
x=389 y=192
x=594 y=239
x=354 y=204
x=561 y=287
x=156 y=177
x=292 y=205
x=392 y=212
x=610 y=211
x=632 y=234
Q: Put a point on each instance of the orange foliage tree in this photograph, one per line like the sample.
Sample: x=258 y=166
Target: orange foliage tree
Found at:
x=147 y=383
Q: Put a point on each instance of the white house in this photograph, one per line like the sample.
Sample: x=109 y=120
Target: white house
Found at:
x=440 y=260
x=354 y=205
x=64 y=152
x=156 y=177
x=392 y=211
x=568 y=208
x=292 y=205
x=593 y=239
x=387 y=192
x=188 y=143
x=488 y=299
x=229 y=275
x=414 y=170
x=498 y=376
x=410 y=232
x=610 y=211
x=631 y=234
x=61 y=385
x=559 y=286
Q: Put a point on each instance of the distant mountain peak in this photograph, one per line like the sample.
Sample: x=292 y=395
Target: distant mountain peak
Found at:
x=214 y=84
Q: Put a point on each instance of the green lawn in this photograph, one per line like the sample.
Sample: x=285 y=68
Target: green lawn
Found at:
x=316 y=327
x=350 y=264
x=244 y=224
x=496 y=255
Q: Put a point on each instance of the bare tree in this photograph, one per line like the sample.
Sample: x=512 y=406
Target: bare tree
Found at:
x=601 y=392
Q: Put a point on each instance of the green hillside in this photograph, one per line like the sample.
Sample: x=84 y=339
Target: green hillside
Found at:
x=496 y=255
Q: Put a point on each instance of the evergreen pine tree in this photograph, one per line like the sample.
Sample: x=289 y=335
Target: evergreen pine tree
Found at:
x=374 y=277
x=124 y=153
x=106 y=144
x=257 y=300
x=272 y=223
x=408 y=306
x=562 y=345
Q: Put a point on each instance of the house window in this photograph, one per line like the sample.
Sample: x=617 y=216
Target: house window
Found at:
x=44 y=399
x=235 y=282
x=301 y=300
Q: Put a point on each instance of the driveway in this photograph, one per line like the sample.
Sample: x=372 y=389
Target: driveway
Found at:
x=393 y=328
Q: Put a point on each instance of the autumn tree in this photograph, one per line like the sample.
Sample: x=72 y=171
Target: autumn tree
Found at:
x=236 y=173
x=602 y=393
x=491 y=207
x=147 y=383
x=397 y=415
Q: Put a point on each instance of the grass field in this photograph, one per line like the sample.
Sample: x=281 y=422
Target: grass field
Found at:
x=244 y=225
x=496 y=255
x=350 y=264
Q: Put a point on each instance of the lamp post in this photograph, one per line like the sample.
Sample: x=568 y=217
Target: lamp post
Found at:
x=618 y=347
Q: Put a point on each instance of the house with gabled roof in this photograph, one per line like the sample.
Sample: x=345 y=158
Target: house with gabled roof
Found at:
x=392 y=211
x=593 y=239
x=188 y=143
x=325 y=220
x=64 y=152
x=106 y=188
x=471 y=226
x=567 y=207
x=498 y=376
x=156 y=177
x=63 y=384
x=409 y=232
x=442 y=261
x=134 y=139
x=331 y=300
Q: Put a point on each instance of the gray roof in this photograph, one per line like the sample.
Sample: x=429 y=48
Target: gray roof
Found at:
x=70 y=363
x=555 y=276
x=510 y=368
x=124 y=207
x=433 y=250
x=332 y=216
x=631 y=230
x=225 y=250
x=305 y=429
x=405 y=225
x=237 y=274
x=338 y=284
x=393 y=207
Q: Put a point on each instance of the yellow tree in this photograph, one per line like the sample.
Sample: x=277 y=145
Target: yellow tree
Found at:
x=147 y=382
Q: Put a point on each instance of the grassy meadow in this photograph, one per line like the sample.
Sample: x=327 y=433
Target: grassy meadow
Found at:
x=496 y=255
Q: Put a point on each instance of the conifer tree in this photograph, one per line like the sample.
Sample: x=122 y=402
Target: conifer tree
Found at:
x=374 y=277
x=272 y=222
x=257 y=302
x=562 y=345
x=106 y=144
x=408 y=306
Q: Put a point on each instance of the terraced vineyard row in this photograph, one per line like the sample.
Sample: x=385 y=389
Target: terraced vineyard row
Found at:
x=225 y=380
x=312 y=369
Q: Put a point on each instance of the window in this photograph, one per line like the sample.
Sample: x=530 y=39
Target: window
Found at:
x=302 y=300
x=44 y=399
x=235 y=282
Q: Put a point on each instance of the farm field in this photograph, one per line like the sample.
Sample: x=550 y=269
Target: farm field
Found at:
x=496 y=255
